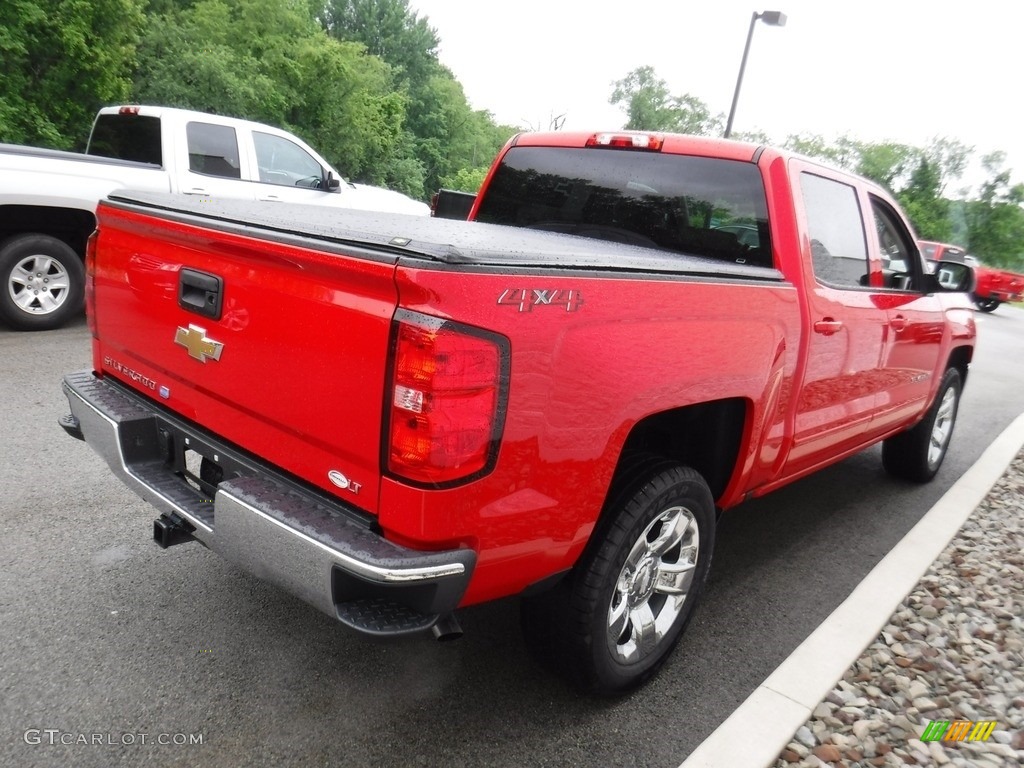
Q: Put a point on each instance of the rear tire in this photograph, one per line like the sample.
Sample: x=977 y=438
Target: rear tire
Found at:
x=987 y=305
x=42 y=282
x=612 y=623
x=917 y=453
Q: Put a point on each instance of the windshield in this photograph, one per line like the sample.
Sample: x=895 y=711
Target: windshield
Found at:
x=695 y=205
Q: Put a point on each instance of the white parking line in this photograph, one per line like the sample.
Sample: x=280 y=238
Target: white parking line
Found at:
x=762 y=725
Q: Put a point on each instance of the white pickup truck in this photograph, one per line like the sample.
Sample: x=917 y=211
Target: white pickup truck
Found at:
x=48 y=198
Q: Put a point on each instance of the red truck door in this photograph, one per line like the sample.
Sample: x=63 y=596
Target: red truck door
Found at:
x=846 y=331
x=914 y=335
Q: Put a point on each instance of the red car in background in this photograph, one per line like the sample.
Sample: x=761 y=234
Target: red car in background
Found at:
x=994 y=286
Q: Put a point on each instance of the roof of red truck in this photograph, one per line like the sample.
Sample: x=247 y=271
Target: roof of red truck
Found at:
x=674 y=143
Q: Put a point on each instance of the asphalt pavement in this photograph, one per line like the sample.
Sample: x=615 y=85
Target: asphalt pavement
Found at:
x=112 y=647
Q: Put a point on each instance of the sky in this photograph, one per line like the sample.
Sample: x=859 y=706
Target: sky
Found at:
x=873 y=70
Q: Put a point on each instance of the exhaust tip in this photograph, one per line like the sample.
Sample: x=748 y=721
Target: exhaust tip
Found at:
x=447 y=628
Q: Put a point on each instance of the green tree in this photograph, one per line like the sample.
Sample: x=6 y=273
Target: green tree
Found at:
x=923 y=202
x=271 y=61
x=644 y=97
x=842 y=152
x=887 y=163
x=439 y=124
x=650 y=106
x=465 y=180
x=995 y=221
x=161 y=7
x=62 y=60
x=916 y=176
x=932 y=170
x=950 y=157
x=389 y=29
x=191 y=59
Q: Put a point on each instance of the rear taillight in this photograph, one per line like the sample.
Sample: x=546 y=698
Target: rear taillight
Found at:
x=446 y=399
x=90 y=282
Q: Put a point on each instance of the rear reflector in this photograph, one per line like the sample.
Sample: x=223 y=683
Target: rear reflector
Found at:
x=446 y=399
x=647 y=141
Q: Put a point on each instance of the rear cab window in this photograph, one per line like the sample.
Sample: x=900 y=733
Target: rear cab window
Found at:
x=701 y=206
x=127 y=137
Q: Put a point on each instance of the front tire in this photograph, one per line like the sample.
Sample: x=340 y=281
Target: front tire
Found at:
x=42 y=282
x=917 y=453
x=618 y=616
x=986 y=305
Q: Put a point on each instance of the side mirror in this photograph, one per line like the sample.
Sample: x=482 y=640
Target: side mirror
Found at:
x=953 y=277
x=333 y=183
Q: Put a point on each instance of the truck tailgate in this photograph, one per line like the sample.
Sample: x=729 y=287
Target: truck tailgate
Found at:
x=280 y=348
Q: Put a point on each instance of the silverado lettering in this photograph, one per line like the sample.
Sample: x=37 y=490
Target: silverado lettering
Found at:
x=134 y=375
x=751 y=317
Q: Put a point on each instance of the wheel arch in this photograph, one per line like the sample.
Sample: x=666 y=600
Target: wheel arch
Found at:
x=705 y=436
x=70 y=225
x=960 y=358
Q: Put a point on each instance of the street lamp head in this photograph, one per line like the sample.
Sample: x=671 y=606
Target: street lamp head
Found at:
x=773 y=18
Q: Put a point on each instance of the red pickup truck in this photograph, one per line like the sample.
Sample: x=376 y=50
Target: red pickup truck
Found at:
x=394 y=417
x=992 y=286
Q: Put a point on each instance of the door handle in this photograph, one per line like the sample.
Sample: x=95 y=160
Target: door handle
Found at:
x=898 y=323
x=200 y=292
x=828 y=326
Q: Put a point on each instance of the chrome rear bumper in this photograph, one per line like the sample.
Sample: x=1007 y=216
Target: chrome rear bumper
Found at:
x=313 y=546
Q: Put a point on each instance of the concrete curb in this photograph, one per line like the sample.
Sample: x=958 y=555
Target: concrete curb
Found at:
x=762 y=725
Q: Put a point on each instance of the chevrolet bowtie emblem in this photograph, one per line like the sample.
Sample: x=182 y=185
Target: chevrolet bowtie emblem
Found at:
x=197 y=343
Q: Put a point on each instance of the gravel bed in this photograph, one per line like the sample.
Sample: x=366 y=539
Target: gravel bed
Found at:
x=954 y=650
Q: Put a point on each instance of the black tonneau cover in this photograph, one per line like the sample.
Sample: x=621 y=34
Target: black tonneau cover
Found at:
x=440 y=240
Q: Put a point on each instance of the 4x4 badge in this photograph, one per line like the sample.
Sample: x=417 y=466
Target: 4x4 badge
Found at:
x=527 y=298
x=199 y=346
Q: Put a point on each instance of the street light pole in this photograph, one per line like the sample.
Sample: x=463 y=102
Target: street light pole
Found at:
x=772 y=18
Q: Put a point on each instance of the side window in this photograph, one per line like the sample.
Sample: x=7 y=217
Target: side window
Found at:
x=896 y=247
x=838 y=247
x=213 y=150
x=286 y=163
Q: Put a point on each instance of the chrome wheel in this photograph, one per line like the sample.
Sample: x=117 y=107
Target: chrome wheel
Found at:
x=39 y=284
x=611 y=623
x=917 y=453
x=652 y=586
x=942 y=428
x=42 y=282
